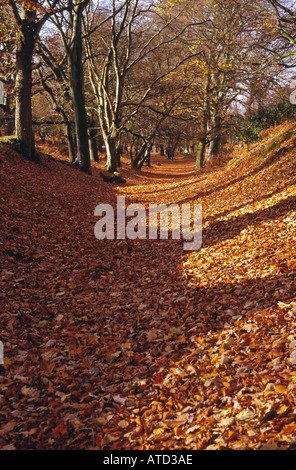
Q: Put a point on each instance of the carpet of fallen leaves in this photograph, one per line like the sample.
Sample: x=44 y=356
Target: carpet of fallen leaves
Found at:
x=136 y=345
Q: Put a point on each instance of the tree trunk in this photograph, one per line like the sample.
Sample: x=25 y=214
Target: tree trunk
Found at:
x=119 y=152
x=93 y=148
x=92 y=138
x=112 y=156
x=83 y=156
x=200 y=156
x=77 y=94
x=146 y=157
x=71 y=145
x=215 y=143
x=8 y=126
x=23 y=84
x=140 y=154
x=201 y=149
x=9 y=120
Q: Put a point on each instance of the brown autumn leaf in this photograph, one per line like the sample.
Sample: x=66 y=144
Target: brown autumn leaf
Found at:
x=152 y=335
x=46 y=366
x=7 y=428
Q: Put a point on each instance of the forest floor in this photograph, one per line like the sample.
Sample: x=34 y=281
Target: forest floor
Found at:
x=131 y=345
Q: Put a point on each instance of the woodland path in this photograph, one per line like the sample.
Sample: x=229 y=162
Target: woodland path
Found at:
x=138 y=344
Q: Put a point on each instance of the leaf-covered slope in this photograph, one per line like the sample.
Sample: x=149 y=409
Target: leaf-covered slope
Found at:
x=138 y=344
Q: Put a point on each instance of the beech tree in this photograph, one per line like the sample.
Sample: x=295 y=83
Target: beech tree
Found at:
x=159 y=117
x=30 y=18
x=69 y=25
x=54 y=79
x=136 y=30
x=8 y=30
x=234 y=50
